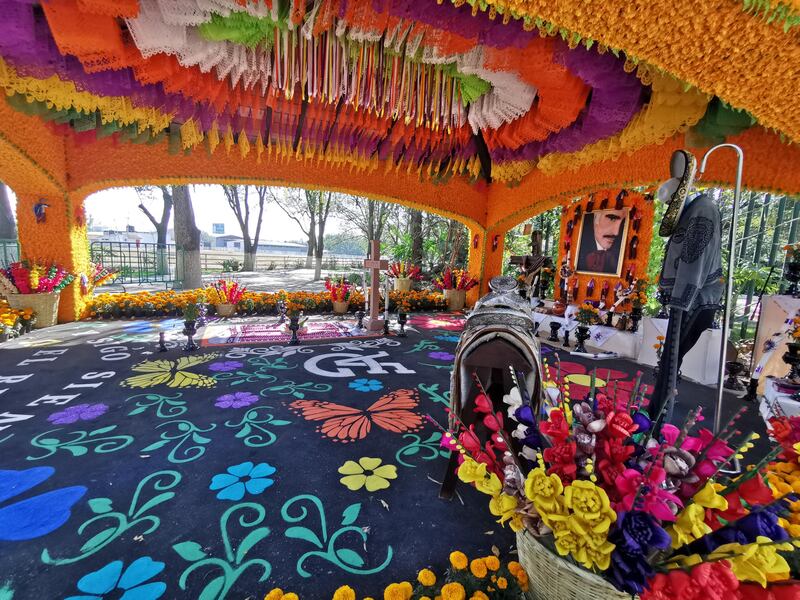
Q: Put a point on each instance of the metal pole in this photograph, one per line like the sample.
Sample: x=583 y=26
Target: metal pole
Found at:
x=729 y=282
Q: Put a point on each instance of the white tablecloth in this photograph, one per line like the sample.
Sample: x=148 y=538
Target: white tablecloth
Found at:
x=773 y=399
x=701 y=363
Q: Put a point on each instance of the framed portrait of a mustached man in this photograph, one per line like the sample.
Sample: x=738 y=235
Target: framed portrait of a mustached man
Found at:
x=602 y=241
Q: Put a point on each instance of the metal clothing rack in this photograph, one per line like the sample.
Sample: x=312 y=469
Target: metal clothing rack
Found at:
x=729 y=276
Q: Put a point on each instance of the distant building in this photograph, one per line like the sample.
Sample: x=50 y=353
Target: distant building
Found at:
x=129 y=235
x=236 y=242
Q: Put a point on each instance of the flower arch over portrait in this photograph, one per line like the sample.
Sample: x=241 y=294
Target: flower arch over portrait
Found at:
x=579 y=378
x=38 y=515
x=108 y=582
x=79 y=412
x=365 y=385
x=367 y=473
x=242 y=478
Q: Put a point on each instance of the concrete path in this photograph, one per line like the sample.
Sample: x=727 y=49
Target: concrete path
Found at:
x=267 y=281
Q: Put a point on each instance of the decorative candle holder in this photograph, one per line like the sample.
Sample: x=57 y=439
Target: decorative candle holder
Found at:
x=402 y=319
x=360 y=314
x=189 y=330
x=162 y=344
x=566 y=338
x=582 y=334
x=554 y=327
x=386 y=325
x=610 y=318
x=294 y=325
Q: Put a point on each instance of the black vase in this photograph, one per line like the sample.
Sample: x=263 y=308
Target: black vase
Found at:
x=582 y=334
x=554 y=327
x=791 y=272
x=792 y=358
x=636 y=316
x=294 y=325
x=189 y=330
x=566 y=338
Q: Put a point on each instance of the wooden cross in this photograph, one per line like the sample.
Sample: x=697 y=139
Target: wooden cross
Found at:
x=375 y=266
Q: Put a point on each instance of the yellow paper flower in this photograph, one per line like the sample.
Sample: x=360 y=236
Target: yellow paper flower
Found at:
x=543 y=490
x=471 y=471
x=367 y=472
x=458 y=560
x=707 y=497
x=503 y=506
x=590 y=504
x=490 y=485
x=689 y=525
x=345 y=592
x=426 y=577
x=453 y=591
x=756 y=562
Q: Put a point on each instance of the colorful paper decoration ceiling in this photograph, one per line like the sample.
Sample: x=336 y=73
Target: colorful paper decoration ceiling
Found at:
x=366 y=84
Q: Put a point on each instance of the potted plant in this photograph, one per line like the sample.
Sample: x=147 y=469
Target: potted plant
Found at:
x=455 y=283
x=225 y=295
x=340 y=292
x=404 y=275
x=587 y=315
x=37 y=286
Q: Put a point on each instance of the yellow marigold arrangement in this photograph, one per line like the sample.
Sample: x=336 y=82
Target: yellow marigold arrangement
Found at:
x=172 y=302
x=794 y=332
x=587 y=314
x=481 y=578
x=14 y=322
x=639 y=296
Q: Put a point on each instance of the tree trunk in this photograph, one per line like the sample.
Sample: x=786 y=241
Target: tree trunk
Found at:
x=187 y=240
x=249 y=261
x=310 y=253
x=8 y=227
x=416 y=237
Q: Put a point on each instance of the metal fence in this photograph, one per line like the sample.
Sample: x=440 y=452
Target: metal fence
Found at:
x=147 y=263
x=136 y=263
x=767 y=222
x=9 y=252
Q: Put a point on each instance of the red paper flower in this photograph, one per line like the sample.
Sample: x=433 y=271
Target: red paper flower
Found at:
x=556 y=427
x=620 y=425
x=706 y=581
x=561 y=459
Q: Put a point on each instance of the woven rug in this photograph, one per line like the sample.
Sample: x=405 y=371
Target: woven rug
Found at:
x=274 y=333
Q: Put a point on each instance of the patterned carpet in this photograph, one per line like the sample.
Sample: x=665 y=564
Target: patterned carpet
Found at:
x=129 y=473
x=224 y=473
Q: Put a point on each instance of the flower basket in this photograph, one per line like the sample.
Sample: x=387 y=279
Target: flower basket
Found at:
x=340 y=307
x=225 y=309
x=553 y=578
x=45 y=306
x=402 y=284
x=456 y=299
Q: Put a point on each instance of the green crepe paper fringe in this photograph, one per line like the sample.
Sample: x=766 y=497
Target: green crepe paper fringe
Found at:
x=719 y=122
x=772 y=12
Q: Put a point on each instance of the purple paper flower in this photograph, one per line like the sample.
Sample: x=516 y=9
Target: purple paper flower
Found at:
x=79 y=412
x=441 y=355
x=636 y=535
x=237 y=400
x=224 y=367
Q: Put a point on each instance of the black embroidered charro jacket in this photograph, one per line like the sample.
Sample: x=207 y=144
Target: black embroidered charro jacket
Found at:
x=691 y=277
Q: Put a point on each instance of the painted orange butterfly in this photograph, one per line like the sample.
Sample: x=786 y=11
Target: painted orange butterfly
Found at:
x=392 y=412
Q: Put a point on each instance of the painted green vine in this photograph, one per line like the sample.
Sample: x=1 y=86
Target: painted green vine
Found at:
x=254 y=431
x=233 y=565
x=186 y=433
x=346 y=559
x=122 y=522
x=166 y=407
x=81 y=442
x=428 y=449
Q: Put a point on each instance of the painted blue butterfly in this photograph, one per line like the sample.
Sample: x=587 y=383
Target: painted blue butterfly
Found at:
x=36 y=516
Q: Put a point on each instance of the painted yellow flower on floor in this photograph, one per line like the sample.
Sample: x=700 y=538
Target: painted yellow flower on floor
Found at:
x=367 y=472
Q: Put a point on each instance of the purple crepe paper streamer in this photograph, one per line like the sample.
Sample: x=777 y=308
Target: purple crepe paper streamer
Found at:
x=617 y=97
